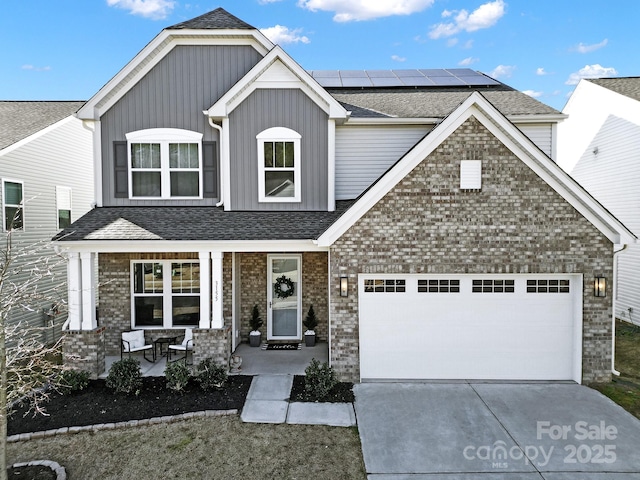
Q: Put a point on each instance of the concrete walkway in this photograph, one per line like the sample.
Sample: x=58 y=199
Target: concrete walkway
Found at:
x=268 y=402
x=485 y=431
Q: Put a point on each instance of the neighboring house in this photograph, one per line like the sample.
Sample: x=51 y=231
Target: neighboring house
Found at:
x=418 y=211
x=601 y=148
x=46 y=182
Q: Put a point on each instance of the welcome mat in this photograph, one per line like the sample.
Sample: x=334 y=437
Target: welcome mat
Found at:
x=282 y=346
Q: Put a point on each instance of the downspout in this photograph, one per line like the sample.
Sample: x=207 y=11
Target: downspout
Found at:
x=219 y=129
x=613 y=307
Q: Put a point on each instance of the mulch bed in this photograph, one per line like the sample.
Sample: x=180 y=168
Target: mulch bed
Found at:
x=342 y=392
x=98 y=404
x=31 y=472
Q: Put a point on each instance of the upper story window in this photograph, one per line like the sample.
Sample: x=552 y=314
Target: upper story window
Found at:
x=165 y=163
x=12 y=198
x=63 y=203
x=279 y=165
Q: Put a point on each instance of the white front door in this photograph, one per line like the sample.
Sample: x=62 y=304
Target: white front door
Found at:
x=284 y=319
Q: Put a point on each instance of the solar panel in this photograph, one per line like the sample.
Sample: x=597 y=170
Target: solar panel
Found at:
x=434 y=72
x=356 y=82
x=329 y=81
x=447 y=81
x=435 y=77
x=387 y=82
x=380 y=74
x=353 y=74
x=325 y=73
x=407 y=73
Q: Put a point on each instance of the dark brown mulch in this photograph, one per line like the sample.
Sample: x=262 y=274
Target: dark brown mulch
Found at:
x=31 y=472
x=342 y=392
x=98 y=404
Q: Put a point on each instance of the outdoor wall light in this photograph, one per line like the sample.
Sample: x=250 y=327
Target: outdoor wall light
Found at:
x=600 y=287
x=344 y=286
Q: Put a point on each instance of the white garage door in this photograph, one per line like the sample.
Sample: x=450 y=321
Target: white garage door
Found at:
x=499 y=327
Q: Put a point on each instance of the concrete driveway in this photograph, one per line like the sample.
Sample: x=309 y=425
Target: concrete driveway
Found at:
x=464 y=431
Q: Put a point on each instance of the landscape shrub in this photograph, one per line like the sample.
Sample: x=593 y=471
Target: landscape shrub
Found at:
x=72 y=381
x=125 y=376
x=177 y=375
x=210 y=375
x=319 y=380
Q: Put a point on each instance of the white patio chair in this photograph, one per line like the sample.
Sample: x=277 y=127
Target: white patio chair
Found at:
x=133 y=342
x=186 y=346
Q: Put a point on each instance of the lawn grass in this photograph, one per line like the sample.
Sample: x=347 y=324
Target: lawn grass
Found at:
x=625 y=389
x=203 y=448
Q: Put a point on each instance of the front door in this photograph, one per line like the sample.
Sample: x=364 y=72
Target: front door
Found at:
x=284 y=321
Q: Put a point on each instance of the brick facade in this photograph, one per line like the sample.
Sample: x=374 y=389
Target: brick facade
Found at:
x=515 y=224
x=84 y=350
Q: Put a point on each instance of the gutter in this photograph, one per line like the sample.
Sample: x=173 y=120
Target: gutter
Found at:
x=219 y=129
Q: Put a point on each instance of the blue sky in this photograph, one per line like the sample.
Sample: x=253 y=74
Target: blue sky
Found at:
x=68 y=49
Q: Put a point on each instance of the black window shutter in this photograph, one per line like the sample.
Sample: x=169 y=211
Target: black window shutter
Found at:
x=210 y=169
x=120 y=172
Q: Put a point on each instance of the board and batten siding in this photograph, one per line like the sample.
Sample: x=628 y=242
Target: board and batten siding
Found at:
x=612 y=175
x=61 y=157
x=174 y=94
x=364 y=153
x=275 y=107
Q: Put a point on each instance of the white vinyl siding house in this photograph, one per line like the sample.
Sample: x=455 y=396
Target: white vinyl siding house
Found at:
x=51 y=164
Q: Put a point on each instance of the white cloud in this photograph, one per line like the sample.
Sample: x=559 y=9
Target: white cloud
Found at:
x=36 y=69
x=398 y=58
x=468 y=61
x=532 y=93
x=590 y=71
x=452 y=42
x=358 y=10
x=282 y=35
x=582 y=48
x=154 y=9
x=502 y=71
x=540 y=71
x=485 y=16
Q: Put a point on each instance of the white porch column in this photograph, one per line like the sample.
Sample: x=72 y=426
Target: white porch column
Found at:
x=87 y=268
x=205 y=290
x=216 y=279
x=74 y=291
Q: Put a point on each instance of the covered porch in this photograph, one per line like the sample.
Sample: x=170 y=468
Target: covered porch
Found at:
x=255 y=361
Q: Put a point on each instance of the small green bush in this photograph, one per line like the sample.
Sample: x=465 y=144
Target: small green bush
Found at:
x=177 y=374
x=125 y=376
x=311 y=321
x=72 y=381
x=255 y=322
x=210 y=375
x=319 y=380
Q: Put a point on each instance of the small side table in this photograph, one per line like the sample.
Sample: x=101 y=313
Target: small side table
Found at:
x=159 y=342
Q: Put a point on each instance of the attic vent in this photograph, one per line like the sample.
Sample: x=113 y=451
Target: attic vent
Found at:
x=470 y=174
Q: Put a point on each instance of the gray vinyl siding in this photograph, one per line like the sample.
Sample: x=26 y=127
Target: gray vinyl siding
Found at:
x=541 y=135
x=62 y=157
x=173 y=94
x=290 y=108
x=612 y=176
x=364 y=153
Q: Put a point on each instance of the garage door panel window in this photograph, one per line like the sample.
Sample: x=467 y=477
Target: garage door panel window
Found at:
x=548 y=286
x=438 y=286
x=493 y=286
x=385 y=286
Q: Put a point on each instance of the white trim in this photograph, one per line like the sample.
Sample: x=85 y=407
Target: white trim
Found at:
x=298 y=293
x=164 y=137
x=88 y=297
x=331 y=168
x=158 y=49
x=30 y=138
x=225 y=164
x=97 y=162
x=205 y=289
x=251 y=81
x=21 y=205
x=217 y=318
x=476 y=105
x=74 y=291
x=285 y=135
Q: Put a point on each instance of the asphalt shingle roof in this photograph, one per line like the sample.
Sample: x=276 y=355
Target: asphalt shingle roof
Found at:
x=218 y=19
x=627 y=86
x=432 y=102
x=19 y=119
x=199 y=224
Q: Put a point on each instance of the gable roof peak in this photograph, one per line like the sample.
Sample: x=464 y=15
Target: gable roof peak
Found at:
x=218 y=19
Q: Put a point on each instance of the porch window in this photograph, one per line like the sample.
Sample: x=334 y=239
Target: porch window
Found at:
x=279 y=165
x=165 y=163
x=166 y=294
x=12 y=197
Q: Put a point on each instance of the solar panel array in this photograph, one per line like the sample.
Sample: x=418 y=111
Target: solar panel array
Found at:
x=454 y=77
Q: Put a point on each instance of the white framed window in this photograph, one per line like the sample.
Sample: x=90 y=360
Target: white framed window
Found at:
x=165 y=163
x=385 y=286
x=12 y=204
x=63 y=205
x=279 y=165
x=470 y=174
x=165 y=293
